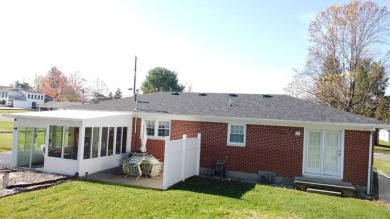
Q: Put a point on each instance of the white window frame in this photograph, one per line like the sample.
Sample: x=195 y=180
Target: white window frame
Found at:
x=156 y=123
x=236 y=144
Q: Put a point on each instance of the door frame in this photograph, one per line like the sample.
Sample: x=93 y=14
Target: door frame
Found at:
x=305 y=145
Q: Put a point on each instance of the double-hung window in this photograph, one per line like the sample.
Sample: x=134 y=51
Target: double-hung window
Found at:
x=150 y=127
x=155 y=128
x=163 y=128
x=236 y=135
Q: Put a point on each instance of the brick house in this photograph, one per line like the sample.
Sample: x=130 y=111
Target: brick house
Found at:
x=287 y=136
x=258 y=135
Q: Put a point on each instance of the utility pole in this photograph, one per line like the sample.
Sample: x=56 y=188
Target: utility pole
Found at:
x=135 y=75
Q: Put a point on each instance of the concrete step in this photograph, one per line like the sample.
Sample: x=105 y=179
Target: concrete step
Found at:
x=324 y=192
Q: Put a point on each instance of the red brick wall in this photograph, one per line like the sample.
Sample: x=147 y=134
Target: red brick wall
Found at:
x=154 y=147
x=356 y=156
x=271 y=148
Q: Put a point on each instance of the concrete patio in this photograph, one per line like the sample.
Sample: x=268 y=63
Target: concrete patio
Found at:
x=116 y=175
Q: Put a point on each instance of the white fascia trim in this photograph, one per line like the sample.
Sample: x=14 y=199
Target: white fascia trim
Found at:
x=19 y=116
x=347 y=126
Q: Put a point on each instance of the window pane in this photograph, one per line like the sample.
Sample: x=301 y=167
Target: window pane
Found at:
x=236 y=138
x=55 y=141
x=150 y=127
x=103 y=149
x=23 y=155
x=111 y=141
x=237 y=134
x=22 y=138
x=314 y=150
x=237 y=129
x=163 y=128
x=87 y=142
x=118 y=143
x=124 y=140
x=95 y=142
x=331 y=149
x=40 y=137
x=71 y=142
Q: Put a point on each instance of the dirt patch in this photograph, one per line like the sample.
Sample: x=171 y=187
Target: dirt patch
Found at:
x=24 y=177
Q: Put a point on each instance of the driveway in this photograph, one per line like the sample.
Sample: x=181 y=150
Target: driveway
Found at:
x=382 y=156
x=5 y=159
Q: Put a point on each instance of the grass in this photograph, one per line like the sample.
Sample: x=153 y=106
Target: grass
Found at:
x=5 y=142
x=195 y=198
x=6 y=129
x=383 y=143
x=4 y=111
x=6 y=126
x=382 y=149
x=382 y=165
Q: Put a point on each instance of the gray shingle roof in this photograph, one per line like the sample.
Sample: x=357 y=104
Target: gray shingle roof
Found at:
x=54 y=104
x=256 y=106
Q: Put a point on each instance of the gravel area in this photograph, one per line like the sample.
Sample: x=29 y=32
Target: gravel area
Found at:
x=26 y=177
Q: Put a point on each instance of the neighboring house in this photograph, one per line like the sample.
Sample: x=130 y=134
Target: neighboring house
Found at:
x=54 y=105
x=384 y=135
x=21 y=99
x=286 y=136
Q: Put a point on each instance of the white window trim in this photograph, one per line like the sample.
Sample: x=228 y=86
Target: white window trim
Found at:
x=235 y=144
x=156 y=122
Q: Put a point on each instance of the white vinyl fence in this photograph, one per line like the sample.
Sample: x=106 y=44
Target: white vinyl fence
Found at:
x=383 y=187
x=181 y=160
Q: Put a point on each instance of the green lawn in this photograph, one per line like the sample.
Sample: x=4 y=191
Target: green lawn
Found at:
x=3 y=111
x=5 y=142
x=383 y=143
x=382 y=165
x=382 y=149
x=195 y=198
x=6 y=138
x=6 y=126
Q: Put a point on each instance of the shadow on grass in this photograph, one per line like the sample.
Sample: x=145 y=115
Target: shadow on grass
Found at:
x=219 y=187
x=101 y=182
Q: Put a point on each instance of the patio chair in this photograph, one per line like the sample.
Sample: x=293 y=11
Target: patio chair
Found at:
x=155 y=166
x=132 y=166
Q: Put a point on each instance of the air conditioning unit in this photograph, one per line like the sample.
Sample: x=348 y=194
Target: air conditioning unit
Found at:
x=266 y=177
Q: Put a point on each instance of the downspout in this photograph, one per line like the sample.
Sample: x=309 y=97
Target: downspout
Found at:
x=369 y=175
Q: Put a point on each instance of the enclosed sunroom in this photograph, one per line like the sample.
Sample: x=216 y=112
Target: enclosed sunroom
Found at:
x=70 y=141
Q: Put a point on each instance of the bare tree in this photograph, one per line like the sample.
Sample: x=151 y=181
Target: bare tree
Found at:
x=74 y=86
x=38 y=83
x=98 y=89
x=344 y=42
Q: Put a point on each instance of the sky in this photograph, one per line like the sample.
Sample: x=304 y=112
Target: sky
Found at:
x=231 y=46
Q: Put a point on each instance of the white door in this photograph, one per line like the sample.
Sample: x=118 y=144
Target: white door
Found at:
x=29 y=151
x=323 y=150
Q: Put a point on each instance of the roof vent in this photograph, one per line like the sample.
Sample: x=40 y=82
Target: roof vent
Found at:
x=175 y=93
x=267 y=96
x=202 y=94
x=233 y=95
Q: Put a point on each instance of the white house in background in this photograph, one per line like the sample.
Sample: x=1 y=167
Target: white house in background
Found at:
x=19 y=98
x=384 y=135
